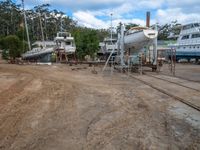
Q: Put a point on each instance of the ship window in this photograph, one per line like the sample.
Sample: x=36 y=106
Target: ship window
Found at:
x=187 y=26
x=195 y=35
x=68 y=43
x=196 y=25
x=185 y=37
x=109 y=43
x=194 y=47
x=184 y=47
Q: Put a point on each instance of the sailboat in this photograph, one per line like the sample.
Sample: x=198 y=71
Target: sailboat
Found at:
x=43 y=50
x=136 y=37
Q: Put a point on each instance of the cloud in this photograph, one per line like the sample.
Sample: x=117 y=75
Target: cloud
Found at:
x=169 y=15
x=87 y=19
x=96 y=13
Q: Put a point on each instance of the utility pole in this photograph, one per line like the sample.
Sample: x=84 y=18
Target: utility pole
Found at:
x=25 y=21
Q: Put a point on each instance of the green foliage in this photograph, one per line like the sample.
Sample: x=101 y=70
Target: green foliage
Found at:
x=5 y=54
x=102 y=33
x=87 y=42
x=10 y=17
x=166 y=30
x=130 y=25
x=12 y=44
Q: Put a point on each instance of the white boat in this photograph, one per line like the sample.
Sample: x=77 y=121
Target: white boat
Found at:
x=64 y=41
x=43 y=49
x=37 y=52
x=65 y=47
x=136 y=46
x=188 y=42
x=108 y=45
x=137 y=37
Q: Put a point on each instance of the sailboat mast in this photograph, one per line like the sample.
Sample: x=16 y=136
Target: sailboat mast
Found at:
x=111 y=27
x=26 y=27
x=42 y=30
x=61 y=29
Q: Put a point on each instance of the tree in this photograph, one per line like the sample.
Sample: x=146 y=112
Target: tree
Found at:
x=130 y=25
x=87 y=42
x=10 y=17
x=12 y=44
x=168 y=29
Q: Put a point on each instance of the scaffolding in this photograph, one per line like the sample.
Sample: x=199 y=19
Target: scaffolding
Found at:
x=171 y=53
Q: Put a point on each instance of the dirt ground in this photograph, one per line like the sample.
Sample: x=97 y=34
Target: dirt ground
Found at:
x=57 y=108
x=187 y=71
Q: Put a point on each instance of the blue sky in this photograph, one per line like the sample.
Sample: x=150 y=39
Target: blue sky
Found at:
x=96 y=13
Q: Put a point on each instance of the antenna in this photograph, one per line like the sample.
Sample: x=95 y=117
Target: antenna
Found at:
x=25 y=21
x=111 y=43
x=111 y=26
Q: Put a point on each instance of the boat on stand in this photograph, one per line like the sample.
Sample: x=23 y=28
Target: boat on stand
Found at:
x=65 y=47
x=188 y=42
x=137 y=47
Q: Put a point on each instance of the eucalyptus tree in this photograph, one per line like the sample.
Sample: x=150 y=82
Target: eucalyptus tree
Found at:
x=10 y=17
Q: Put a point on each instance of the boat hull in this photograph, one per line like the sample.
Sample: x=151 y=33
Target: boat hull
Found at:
x=37 y=53
x=137 y=40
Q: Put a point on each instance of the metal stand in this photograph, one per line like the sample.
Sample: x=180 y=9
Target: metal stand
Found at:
x=140 y=63
x=172 y=60
x=112 y=65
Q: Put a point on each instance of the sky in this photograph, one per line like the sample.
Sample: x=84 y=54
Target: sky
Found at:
x=97 y=13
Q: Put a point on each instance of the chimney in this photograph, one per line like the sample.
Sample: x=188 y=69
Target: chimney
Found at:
x=148 y=19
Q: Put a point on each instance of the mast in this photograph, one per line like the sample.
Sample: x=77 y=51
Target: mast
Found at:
x=111 y=43
x=42 y=30
x=61 y=29
x=111 y=27
x=25 y=21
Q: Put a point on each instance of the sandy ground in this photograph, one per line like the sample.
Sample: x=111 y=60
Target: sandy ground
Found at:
x=55 y=108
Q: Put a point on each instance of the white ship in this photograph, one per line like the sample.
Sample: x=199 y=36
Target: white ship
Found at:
x=188 y=42
x=65 y=46
x=108 y=45
x=64 y=41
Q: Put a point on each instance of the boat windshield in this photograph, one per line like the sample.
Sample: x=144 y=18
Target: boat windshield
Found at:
x=196 y=35
x=197 y=24
x=63 y=34
x=110 y=42
x=185 y=37
x=189 y=26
